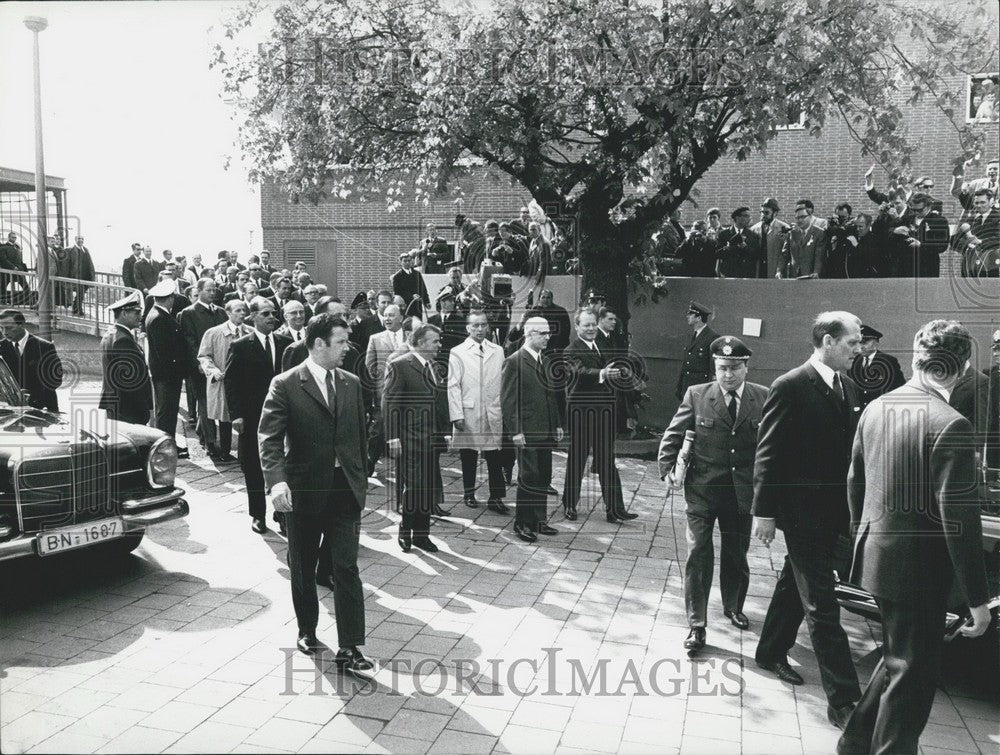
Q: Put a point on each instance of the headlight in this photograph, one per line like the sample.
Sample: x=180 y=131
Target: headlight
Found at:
x=161 y=466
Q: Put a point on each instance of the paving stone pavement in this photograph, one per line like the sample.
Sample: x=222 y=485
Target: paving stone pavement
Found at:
x=569 y=645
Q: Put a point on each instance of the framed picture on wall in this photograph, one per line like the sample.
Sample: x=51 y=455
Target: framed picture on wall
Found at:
x=981 y=98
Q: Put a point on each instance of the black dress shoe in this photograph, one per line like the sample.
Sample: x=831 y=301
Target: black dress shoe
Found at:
x=571 y=514
x=307 y=643
x=183 y=454
x=544 y=529
x=439 y=512
x=551 y=491
x=258 y=526
x=351 y=659
x=738 y=618
x=425 y=544
x=612 y=518
x=326 y=580
x=626 y=516
x=839 y=716
x=782 y=670
x=522 y=531
x=695 y=639
x=470 y=501
x=405 y=541
x=225 y=458
x=495 y=504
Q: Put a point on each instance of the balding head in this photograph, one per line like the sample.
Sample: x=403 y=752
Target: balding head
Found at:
x=536 y=333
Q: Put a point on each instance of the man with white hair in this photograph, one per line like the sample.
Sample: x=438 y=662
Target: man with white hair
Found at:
x=535 y=419
x=380 y=347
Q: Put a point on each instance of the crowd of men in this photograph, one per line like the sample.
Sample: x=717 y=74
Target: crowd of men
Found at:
x=903 y=235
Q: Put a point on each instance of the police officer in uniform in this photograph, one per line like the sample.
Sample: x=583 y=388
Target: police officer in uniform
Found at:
x=126 y=393
x=875 y=372
x=724 y=415
x=697 y=367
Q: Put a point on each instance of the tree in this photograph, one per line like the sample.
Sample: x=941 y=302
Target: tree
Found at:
x=609 y=109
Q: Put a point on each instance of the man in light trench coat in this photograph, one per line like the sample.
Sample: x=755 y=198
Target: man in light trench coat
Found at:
x=212 y=357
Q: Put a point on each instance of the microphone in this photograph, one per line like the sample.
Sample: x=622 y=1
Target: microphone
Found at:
x=681 y=465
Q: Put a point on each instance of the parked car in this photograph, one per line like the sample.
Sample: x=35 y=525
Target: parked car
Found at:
x=77 y=479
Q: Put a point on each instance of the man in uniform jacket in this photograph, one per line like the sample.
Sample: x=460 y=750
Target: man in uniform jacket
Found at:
x=800 y=473
x=590 y=417
x=739 y=249
x=408 y=282
x=697 y=367
x=918 y=529
x=213 y=354
x=771 y=232
x=253 y=360
x=724 y=415
x=474 y=368
x=196 y=320
x=169 y=362
x=126 y=392
x=312 y=452
x=32 y=360
x=415 y=408
x=874 y=371
x=535 y=422
x=806 y=246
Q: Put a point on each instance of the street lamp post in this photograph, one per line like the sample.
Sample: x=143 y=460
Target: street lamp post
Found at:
x=37 y=24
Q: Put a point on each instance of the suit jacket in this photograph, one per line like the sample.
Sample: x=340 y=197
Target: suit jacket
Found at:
x=38 y=371
x=740 y=258
x=913 y=500
x=934 y=236
x=804 y=252
x=474 y=395
x=993 y=420
x=213 y=353
x=583 y=368
x=559 y=326
x=128 y=272
x=415 y=410
x=168 y=357
x=697 y=366
x=722 y=456
x=146 y=273
x=528 y=397
x=772 y=243
x=354 y=363
x=409 y=285
x=380 y=348
x=126 y=392
x=803 y=451
x=970 y=398
x=248 y=376
x=883 y=375
x=984 y=257
x=300 y=438
x=81 y=264
x=366 y=329
x=196 y=320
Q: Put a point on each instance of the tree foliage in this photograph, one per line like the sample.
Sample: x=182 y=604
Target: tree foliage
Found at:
x=610 y=109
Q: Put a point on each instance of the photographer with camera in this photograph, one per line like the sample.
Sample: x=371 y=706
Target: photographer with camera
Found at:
x=739 y=248
x=697 y=252
x=842 y=237
x=892 y=227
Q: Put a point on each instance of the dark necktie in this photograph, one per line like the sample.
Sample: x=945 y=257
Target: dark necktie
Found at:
x=838 y=389
x=732 y=405
x=270 y=354
x=331 y=394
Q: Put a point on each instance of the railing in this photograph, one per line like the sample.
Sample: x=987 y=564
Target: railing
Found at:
x=81 y=306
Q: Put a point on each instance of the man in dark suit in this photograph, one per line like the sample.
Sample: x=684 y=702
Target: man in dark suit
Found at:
x=195 y=320
x=929 y=238
x=724 y=415
x=926 y=523
x=978 y=239
x=169 y=363
x=875 y=372
x=739 y=249
x=374 y=324
x=126 y=392
x=535 y=422
x=128 y=266
x=408 y=282
x=81 y=267
x=590 y=417
x=253 y=361
x=415 y=407
x=32 y=360
x=560 y=327
x=312 y=451
x=146 y=270
x=697 y=367
x=800 y=473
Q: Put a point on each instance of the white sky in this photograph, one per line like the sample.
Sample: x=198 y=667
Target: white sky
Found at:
x=133 y=121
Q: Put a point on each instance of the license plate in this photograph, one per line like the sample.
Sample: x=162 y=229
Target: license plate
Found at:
x=57 y=541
